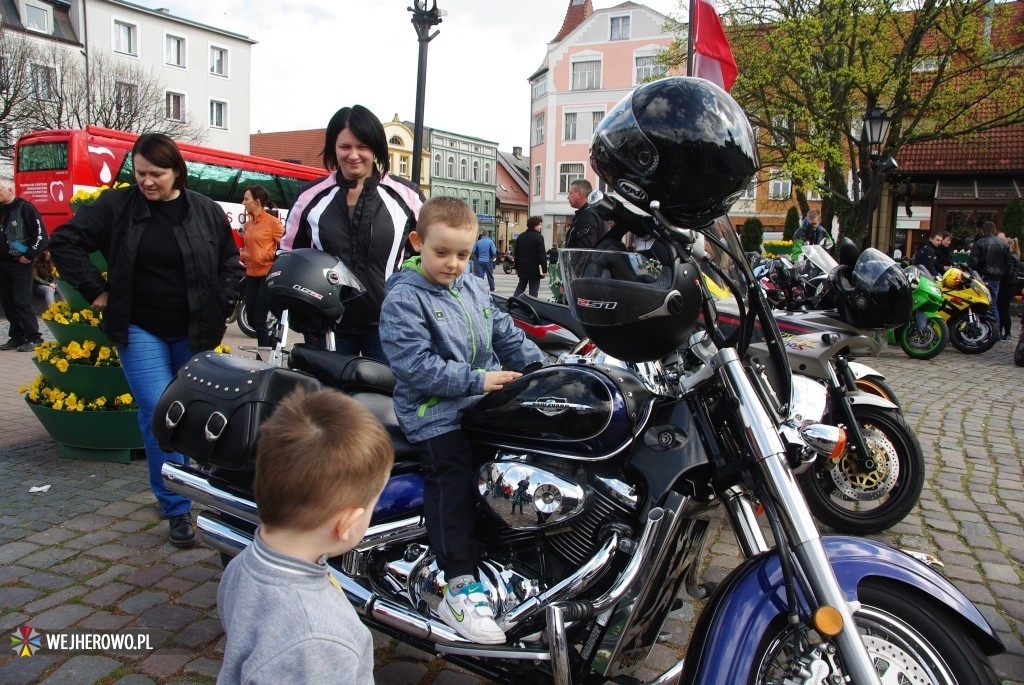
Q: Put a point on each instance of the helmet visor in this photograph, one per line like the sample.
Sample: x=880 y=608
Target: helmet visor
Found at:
x=621 y=132
x=611 y=288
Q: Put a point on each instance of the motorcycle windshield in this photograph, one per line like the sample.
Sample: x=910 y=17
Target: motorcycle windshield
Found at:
x=820 y=258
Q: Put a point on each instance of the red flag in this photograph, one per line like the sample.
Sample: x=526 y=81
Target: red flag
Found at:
x=712 y=58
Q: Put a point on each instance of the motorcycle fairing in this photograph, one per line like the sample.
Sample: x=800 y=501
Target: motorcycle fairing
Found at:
x=735 y=620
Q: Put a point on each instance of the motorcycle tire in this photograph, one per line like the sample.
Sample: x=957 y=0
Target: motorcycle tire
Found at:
x=507 y=267
x=876 y=385
x=1018 y=354
x=862 y=504
x=243 y=320
x=924 y=344
x=910 y=637
x=973 y=338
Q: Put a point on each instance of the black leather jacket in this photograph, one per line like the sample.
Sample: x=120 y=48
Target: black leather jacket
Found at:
x=990 y=256
x=114 y=225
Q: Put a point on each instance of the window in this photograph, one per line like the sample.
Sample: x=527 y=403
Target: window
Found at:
x=126 y=97
x=569 y=131
x=437 y=165
x=476 y=205
x=451 y=166
x=487 y=172
x=926 y=64
x=586 y=75
x=218 y=114
x=620 y=28
x=403 y=165
x=648 y=68
x=43 y=157
x=174 y=51
x=37 y=18
x=567 y=173
x=463 y=167
x=538 y=129
x=539 y=87
x=476 y=171
x=751 y=191
x=174 y=106
x=126 y=38
x=782 y=129
x=780 y=187
x=218 y=61
x=536 y=180
x=394 y=140
x=44 y=81
x=581 y=123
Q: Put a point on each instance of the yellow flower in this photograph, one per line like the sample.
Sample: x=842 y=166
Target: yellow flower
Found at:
x=62 y=365
x=22 y=389
x=125 y=398
x=103 y=354
x=224 y=348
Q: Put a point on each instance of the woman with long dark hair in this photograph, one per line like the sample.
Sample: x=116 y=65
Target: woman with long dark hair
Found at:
x=359 y=213
x=172 y=280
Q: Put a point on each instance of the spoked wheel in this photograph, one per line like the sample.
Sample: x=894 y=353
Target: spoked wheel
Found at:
x=875 y=385
x=924 y=343
x=973 y=335
x=849 y=500
x=911 y=640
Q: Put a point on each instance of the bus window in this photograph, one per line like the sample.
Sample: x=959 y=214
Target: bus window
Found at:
x=212 y=180
x=283 y=189
x=43 y=157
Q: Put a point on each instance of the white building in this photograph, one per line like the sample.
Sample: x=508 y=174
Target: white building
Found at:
x=204 y=71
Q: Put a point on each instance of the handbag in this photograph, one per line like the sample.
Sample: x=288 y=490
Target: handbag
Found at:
x=212 y=410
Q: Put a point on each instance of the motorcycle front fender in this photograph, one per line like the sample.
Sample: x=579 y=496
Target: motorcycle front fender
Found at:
x=861 y=370
x=859 y=398
x=728 y=635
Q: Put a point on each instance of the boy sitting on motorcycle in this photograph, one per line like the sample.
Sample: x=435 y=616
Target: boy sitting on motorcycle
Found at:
x=322 y=463
x=446 y=345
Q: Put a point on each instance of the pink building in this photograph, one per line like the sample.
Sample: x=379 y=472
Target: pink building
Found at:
x=597 y=58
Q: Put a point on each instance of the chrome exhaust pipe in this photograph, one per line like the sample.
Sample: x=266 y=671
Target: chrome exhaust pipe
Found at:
x=198 y=489
x=222 y=536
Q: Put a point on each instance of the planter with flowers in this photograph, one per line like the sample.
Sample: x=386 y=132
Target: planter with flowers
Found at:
x=81 y=395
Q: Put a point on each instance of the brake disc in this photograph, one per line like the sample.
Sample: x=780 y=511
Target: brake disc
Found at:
x=857 y=485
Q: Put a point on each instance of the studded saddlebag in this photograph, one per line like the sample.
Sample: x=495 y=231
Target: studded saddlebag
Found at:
x=212 y=410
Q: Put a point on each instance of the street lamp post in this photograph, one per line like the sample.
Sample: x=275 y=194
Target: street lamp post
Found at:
x=423 y=19
x=876 y=127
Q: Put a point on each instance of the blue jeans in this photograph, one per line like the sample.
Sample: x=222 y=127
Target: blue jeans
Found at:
x=149 y=363
x=993 y=288
x=486 y=269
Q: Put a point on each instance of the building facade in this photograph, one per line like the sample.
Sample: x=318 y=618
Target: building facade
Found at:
x=399 y=135
x=513 y=195
x=464 y=167
x=596 y=59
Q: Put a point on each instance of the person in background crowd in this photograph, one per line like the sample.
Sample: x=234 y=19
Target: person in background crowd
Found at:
x=587 y=227
x=262 y=235
x=990 y=257
x=928 y=255
x=944 y=260
x=44 y=280
x=26 y=239
x=530 y=257
x=811 y=232
x=1006 y=286
x=484 y=252
x=362 y=215
x=172 y=281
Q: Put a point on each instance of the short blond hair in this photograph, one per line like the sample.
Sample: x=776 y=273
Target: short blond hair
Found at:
x=450 y=211
x=318 y=453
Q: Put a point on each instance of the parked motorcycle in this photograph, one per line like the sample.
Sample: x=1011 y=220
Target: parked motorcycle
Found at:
x=629 y=463
x=967 y=309
x=508 y=261
x=926 y=334
x=240 y=314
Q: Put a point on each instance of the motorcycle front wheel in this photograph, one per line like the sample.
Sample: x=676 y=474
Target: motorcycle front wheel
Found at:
x=924 y=343
x=507 y=266
x=875 y=385
x=911 y=639
x=848 y=500
x=973 y=337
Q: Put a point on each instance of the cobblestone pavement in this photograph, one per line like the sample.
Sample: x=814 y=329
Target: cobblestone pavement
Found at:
x=91 y=552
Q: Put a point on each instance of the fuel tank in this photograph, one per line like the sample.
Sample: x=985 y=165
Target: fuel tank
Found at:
x=579 y=411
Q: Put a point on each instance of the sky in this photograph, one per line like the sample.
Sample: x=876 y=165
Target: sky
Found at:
x=315 y=56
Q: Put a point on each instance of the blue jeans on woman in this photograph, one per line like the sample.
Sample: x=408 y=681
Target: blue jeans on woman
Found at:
x=150 y=362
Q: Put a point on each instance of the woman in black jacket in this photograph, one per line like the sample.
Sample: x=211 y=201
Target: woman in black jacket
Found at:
x=172 y=281
x=531 y=257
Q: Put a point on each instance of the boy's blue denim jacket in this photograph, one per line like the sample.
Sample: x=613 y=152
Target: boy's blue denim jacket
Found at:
x=439 y=342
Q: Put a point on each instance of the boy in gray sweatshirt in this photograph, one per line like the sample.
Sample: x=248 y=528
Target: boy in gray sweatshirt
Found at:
x=322 y=462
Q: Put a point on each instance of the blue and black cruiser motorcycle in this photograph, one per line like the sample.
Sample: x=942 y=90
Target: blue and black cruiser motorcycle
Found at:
x=631 y=462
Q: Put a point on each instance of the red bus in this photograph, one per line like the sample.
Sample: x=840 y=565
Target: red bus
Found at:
x=50 y=166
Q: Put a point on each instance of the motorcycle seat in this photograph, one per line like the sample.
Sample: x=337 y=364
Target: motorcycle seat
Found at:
x=542 y=311
x=382 y=407
x=342 y=371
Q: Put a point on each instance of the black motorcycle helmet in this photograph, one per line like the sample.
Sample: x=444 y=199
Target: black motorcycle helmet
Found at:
x=873 y=294
x=627 y=312
x=313 y=286
x=681 y=141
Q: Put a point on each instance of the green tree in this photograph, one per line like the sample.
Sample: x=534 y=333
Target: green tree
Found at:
x=792 y=223
x=810 y=69
x=1013 y=219
x=752 y=234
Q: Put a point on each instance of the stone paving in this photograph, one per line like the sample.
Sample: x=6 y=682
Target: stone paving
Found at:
x=91 y=552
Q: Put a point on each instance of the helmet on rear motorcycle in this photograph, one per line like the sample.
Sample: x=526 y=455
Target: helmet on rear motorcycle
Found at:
x=953 y=279
x=681 y=141
x=313 y=286
x=632 y=309
x=873 y=294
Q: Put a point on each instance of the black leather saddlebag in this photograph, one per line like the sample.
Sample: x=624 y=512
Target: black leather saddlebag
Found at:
x=211 y=412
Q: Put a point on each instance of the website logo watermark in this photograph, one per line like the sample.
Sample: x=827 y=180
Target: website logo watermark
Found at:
x=26 y=641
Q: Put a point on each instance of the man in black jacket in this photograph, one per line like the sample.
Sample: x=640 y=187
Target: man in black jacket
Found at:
x=26 y=239
x=990 y=257
x=587 y=227
x=928 y=255
x=531 y=258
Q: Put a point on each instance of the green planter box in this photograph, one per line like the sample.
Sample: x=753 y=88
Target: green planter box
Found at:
x=64 y=333
x=87 y=382
x=74 y=298
x=92 y=435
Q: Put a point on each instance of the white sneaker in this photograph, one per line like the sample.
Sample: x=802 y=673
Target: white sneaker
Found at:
x=469 y=613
